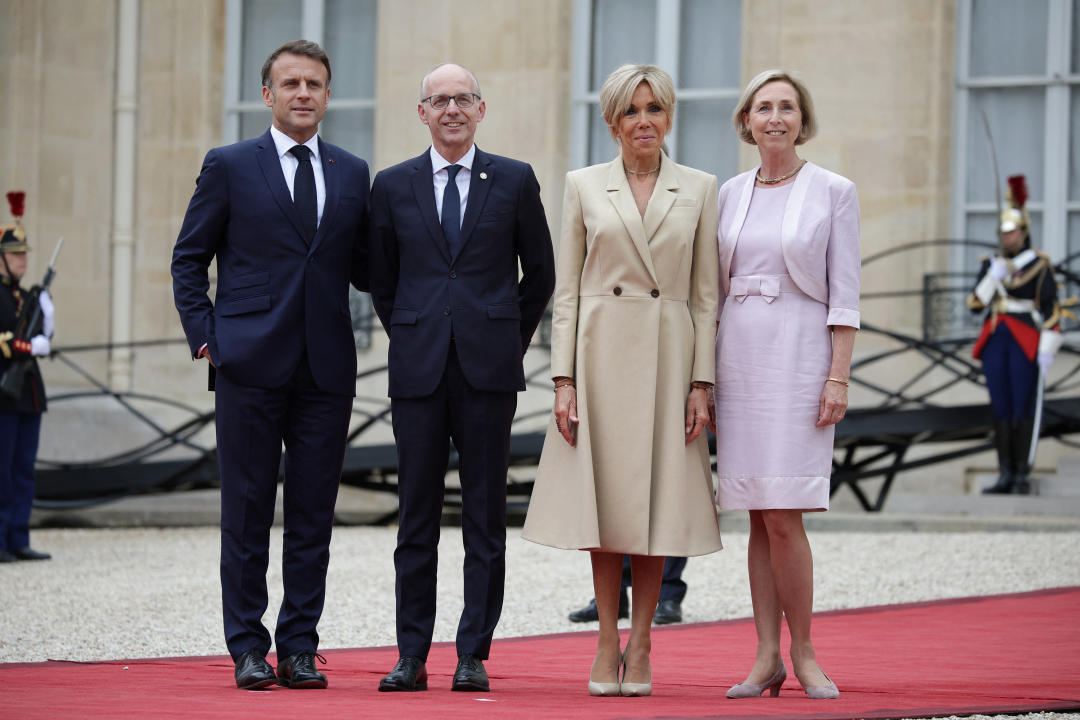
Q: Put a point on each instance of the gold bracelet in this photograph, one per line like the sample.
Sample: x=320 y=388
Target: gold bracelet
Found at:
x=564 y=383
x=845 y=383
x=700 y=385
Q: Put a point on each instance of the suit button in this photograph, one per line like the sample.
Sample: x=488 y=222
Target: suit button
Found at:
x=618 y=290
x=654 y=292
x=453 y=274
x=446 y=310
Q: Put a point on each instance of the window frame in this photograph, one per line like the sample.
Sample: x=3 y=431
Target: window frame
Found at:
x=585 y=103
x=1058 y=82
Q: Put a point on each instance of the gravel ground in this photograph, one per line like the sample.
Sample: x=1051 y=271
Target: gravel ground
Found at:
x=137 y=593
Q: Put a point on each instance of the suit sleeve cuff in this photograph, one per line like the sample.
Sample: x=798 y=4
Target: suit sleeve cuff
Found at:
x=843 y=316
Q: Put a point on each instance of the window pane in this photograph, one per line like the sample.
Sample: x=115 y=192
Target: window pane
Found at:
x=353 y=130
x=706 y=140
x=1008 y=37
x=709 y=45
x=1074 y=145
x=1076 y=36
x=602 y=147
x=1016 y=118
x=267 y=24
x=624 y=31
x=1073 y=246
x=254 y=123
x=350 y=43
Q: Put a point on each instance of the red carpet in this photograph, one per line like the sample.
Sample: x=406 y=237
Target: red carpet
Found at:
x=992 y=655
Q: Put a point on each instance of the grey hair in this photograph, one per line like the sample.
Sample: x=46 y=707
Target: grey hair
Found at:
x=806 y=105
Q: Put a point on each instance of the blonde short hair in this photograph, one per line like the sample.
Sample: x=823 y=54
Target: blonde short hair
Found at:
x=806 y=105
x=618 y=90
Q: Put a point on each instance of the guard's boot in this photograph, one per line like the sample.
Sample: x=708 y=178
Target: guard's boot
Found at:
x=1021 y=451
x=1003 y=443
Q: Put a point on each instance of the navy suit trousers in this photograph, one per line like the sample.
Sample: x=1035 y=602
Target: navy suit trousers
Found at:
x=252 y=424
x=478 y=422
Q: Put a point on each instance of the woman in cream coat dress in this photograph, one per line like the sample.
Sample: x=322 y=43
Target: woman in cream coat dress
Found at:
x=625 y=466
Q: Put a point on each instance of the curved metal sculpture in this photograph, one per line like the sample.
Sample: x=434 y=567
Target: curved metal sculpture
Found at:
x=871 y=442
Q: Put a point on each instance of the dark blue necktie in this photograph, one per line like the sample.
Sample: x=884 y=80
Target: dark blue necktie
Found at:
x=304 y=197
x=451 y=211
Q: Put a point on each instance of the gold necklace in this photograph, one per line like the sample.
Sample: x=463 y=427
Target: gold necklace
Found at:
x=628 y=171
x=773 y=181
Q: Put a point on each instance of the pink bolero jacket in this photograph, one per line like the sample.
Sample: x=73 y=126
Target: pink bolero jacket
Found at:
x=819 y=237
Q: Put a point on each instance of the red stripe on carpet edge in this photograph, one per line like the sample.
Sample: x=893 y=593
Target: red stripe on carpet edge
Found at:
x=868 y=609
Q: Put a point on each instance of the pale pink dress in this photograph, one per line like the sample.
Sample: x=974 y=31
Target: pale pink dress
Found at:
x=773 y=352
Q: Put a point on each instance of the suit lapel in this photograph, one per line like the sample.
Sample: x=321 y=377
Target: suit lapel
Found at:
x=481 y=177
x=270 y=165
x=424 y=190
x=332 y=184
x=622 y=199
x=740 y=217
x=789 y=228
x=663 y=197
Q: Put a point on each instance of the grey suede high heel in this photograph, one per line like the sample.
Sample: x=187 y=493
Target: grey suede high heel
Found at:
x=750 y=690
x=821 y=692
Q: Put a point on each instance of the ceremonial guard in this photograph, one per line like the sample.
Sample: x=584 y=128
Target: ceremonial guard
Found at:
x=1019 y=339
x=22 y=394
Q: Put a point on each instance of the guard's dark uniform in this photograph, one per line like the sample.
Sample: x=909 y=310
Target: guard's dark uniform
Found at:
x=20 y=414
x=1022 y=316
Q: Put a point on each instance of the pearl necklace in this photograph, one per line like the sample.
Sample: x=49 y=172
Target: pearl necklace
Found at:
x=773 y=181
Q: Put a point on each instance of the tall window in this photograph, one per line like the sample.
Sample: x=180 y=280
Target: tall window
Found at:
x=697 y=41
x=346 y=29
x=1018 y=66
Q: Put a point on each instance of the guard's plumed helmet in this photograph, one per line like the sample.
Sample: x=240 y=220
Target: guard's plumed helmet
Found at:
x=1015 y=215
x=13 y=237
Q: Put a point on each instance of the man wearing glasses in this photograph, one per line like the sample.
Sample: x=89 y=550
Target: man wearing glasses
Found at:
x=449 y=229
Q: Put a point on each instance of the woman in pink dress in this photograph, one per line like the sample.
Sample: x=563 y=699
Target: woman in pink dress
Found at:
x=789 y=309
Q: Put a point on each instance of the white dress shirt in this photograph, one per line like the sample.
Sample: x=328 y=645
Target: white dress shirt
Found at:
x=289 y=163
x=441 y=175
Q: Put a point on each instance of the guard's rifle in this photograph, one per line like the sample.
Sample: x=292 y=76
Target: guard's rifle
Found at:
x=28 y=324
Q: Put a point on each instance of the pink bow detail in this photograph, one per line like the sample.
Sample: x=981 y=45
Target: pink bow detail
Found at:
x=767 y=286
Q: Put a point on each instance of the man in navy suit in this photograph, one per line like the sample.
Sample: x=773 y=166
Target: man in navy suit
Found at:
x=285 y=215
x=449 y=229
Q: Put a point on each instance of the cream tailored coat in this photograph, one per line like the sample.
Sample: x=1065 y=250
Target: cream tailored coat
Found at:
x=634 y=323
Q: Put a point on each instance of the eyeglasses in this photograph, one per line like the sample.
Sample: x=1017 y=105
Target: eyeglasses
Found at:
x=463 y=101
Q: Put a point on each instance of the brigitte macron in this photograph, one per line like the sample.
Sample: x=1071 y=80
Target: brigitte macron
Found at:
x=789 y=274
x=625 y=466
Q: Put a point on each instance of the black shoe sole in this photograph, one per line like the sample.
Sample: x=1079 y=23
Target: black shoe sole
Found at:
x=396 y=688
x=257 y=685
x=470 y=687
x=306 y=685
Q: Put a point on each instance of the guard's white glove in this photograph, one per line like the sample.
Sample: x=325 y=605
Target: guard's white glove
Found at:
x=48 y=312
x=999 y=268
x=1045 y=360
x=39 y=346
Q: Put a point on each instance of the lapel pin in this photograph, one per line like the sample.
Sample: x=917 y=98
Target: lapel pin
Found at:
x=483 y=176
x=330 y=160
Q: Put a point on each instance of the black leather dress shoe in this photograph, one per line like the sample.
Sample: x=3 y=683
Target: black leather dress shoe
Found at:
x=408 y=675
x=589 y=613
x=28 y=553
x=6 y=557
x=253 y=672
x=470 y=675
x=667 y=612
x=298 y=671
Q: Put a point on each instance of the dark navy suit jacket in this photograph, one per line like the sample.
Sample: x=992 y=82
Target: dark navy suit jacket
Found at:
x=276 y=295
x=423 y=297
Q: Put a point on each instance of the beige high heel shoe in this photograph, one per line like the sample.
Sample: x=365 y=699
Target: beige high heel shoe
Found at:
x=750 y=690
x=605 y=689
x=628 y=689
